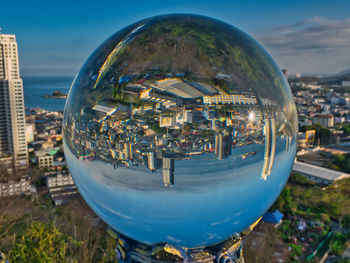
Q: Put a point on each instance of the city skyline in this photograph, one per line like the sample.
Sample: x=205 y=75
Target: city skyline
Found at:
x=54 y=40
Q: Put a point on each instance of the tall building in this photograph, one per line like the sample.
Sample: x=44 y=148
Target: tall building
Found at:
x=168 y=171
x=223 y=145
x=270 y=146
x=12 y=118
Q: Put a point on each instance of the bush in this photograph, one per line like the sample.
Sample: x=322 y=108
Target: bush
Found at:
x=338 y=245
x=296 y=250
x=43 y=243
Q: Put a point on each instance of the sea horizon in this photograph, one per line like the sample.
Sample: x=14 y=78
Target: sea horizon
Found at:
x=35 y=87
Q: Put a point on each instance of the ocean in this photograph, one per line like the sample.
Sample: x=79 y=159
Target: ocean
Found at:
x=35 y=88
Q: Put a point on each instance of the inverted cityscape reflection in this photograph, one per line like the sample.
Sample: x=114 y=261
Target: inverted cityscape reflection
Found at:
x=180 y=129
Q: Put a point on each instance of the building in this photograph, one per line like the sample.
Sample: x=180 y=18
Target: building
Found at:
x=161 y=97
x=45 y=158
x=168 y=171
x=61 y=186
x=184 y=117
x=230 y=99
x=270 y=147
x=166 y=121
x=15 y=187
x=179 y=88
x=345 y=83
x=223 y=145
x=288 y=142
x=12 y=118
x=123 y=151
x=151 y=161
x=45 y=161
x=318 y=174
x=30 y=130
x=326 y=120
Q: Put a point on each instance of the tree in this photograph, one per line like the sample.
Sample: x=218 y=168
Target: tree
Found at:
x=323 y=134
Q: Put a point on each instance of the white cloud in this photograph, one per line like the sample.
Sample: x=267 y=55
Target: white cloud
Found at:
x=316 y=45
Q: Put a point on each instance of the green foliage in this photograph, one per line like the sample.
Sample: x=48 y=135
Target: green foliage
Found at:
x=299 y=88
x=344 y=127
x=342 y=161
x=187 y=127
x=322 y=134
x=342 y=260
x=339 y=244
x=285 y=230
x=308 y=200
x=43 y=243
x=285 y=203
x=155 y=127
x=346 y=221
x=300 y=180
x=296 y=250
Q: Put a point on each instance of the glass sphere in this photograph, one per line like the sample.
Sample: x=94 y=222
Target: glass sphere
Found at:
x=180 y=129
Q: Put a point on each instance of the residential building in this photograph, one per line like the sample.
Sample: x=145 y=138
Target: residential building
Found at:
x=326 y=120
x=61 y=186
x=168 y=171
x=270 y=146
x=30 y=131
x=12 y=117
x=45 y=161
x=11 y=188
x=229 y=99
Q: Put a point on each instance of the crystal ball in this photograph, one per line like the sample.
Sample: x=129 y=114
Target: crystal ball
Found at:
x=180 y=129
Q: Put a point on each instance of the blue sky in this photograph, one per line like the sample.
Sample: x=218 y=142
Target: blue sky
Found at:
x=56 y=37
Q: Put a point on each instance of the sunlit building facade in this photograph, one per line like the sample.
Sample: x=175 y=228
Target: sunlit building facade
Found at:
x=229 y=99
x=12 y=117
x=270 y=146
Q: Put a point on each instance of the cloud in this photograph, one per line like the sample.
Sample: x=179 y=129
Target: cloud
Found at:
x=325 y=44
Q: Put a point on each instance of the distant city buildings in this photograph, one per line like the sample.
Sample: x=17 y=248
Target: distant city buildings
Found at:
x=12 y=117
x=345 y=83
x=326 y=120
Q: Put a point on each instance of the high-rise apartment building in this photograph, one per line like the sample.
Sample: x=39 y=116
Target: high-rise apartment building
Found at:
x=13 y=145
x=270 y=146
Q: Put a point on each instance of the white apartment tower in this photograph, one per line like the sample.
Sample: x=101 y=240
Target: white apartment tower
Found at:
x=12 y=117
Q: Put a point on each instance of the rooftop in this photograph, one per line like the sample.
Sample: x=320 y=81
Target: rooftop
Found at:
x=323 y=116
x=318 y=171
